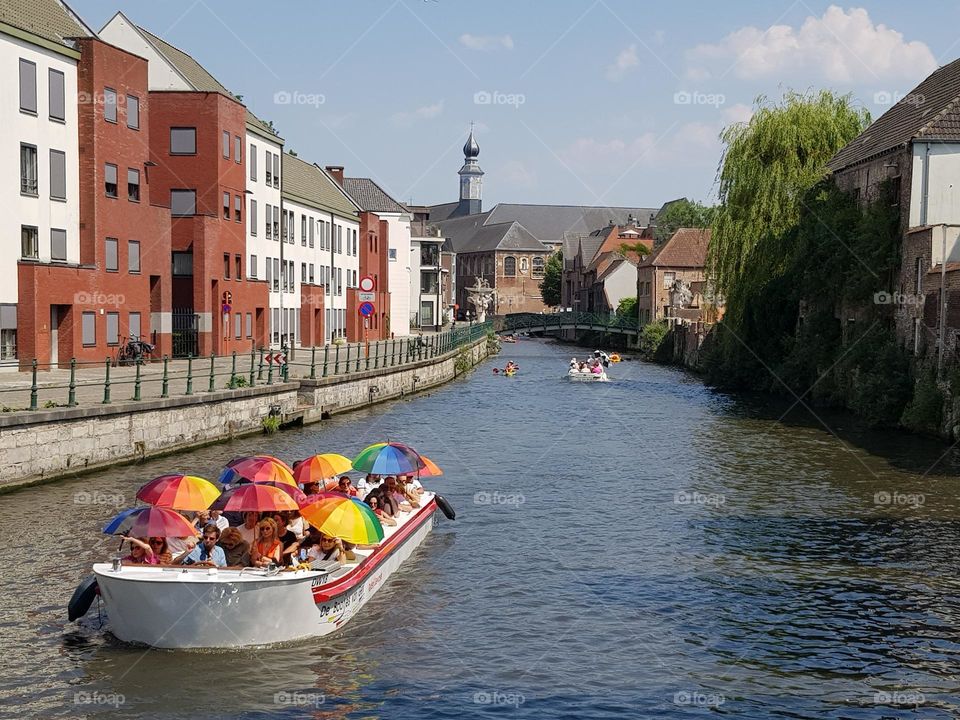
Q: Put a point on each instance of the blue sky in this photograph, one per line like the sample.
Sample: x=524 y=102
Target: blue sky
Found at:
x=615 y=102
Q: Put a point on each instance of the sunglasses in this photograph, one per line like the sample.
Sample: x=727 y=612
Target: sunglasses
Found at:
x=156 y=541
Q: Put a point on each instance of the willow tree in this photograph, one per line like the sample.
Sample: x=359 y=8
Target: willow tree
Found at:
x=767 y=166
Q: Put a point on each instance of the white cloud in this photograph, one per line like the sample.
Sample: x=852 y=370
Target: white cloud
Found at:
x=486 y=42
x=625 y=60
x=840 y=47
x=427 y=112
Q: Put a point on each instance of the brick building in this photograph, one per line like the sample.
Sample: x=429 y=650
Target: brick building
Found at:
x=674 y=268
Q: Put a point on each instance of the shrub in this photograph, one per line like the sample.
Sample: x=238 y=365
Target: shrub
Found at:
x=924 y=413
x=237 y=381
x=651 y=338
x=271 y=423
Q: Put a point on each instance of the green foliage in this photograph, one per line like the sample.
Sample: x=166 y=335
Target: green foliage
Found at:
x=493 y=344
x=627 y=308
x=552 y=279
x=679 y=214
x=463 y=361
x=637 y=247
x=651 y=338
x=925 y=411
x=50 y=404
x=237 y=381
x=769 y=165
x=271 y=423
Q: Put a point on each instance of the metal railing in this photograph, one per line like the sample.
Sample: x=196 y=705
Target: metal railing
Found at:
x=90 y=383
x=568 y=321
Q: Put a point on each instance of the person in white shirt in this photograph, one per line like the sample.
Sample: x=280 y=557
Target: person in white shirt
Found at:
x=217 y=518
x=248 y=531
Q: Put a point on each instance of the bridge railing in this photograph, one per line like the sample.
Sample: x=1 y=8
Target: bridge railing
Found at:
x=573 y=320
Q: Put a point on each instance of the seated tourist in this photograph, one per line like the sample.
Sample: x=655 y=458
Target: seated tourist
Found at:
x=217 y=518
x=207 y=553
x=413 y=485
x=390 y=506
x=140 y=552
x=345 y=486
x=267 y=548
x=235 y=548
x=289 y=541
x=248 y=531
x=374 y=502
x=413 y=499
x=296 y=524
x=327 y=548
x=311 y=487
x=161 y=551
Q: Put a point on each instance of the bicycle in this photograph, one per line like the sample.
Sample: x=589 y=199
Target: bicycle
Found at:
x=133 y=351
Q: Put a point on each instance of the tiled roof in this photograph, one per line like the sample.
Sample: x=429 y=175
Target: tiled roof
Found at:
x=687 y=247
x=49 y=19
x=929 y=111
x=309 y=184
x=615 y=264
x=503 y=236
x=439 y=213
x=371 y=196
x=549 y=223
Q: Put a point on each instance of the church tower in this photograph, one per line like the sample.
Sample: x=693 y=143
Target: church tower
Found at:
x=471 y=180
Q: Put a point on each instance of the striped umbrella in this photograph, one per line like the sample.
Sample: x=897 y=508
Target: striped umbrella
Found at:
x=430 y=468
x=319 y=467
x=150 y=522
x=293 y=491
x=179 y=492
x=257 y=468
x=257 y=497
x=345 y=517
x=388 y=459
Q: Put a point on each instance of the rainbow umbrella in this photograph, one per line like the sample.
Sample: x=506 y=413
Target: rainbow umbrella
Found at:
x=150 y=522
x=257 y=468
x=320 y=467
x=430 y=468
x=345 y=517
x=388 y=459
x=257 y=497
x=299 y=497
x=179 y=492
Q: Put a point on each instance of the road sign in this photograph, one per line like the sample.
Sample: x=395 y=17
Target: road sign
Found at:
x=367 y=284
x=278 y=358
x=366 y=309
x=366 y=296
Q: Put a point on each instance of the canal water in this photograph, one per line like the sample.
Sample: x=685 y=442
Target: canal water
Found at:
x=644 y=548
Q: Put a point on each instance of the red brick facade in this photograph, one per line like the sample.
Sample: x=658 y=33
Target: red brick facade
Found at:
x=373 y=240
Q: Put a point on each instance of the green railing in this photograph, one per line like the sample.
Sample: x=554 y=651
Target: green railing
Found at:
x=91 y=383
x=546 y=322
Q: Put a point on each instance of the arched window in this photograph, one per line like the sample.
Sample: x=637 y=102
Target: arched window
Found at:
x=510 y=266
x=523 y=265
x=538 y=267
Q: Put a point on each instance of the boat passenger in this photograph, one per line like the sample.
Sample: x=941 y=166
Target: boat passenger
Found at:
x=396 y=494
x=413 y=485
x=324 y=547
x=140 y=552
x=412 y=497
x=388 y=504
x=207 y=553
x=235 y=548
x=266 y=548
x=217 y=518
x=296 y=524
x=374 y=503
x=344 y=486
x=288 y=539
x=597 y=369
x=248 y=531
x=160 y=549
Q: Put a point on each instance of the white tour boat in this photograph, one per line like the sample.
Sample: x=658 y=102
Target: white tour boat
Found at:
x=575 y=375
x=187 y=607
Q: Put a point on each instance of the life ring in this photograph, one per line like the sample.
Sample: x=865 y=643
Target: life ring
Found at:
x=445 y=507
x=82 y=598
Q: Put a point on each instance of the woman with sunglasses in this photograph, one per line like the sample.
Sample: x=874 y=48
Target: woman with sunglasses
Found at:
x=140 y=552
x=267 y=547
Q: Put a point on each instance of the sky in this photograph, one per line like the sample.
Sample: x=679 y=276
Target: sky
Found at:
x=587 y=102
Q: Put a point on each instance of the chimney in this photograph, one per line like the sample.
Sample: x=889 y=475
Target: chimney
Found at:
x=337 y=172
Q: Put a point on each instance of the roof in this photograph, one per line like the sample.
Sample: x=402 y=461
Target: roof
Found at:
x=49 y=19
x=306 y=183
x=198 y=76
x=687 y=247
x=929 y=112
x=549 y=223
x=503 y=236
x=439 y=213
x=616 y=263
x=370 y=196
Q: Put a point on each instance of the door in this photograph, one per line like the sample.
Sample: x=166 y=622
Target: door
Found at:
x=54 y=336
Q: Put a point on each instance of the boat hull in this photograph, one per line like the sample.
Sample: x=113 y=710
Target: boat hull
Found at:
x=196 y=608
x=587 y=377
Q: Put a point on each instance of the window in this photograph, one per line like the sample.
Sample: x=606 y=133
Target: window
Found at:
x=182 y=264
x=311 y=232
x=110 y=180
x=238 y=266
x=269 y=155
x=668 y=280
x=133 y=256
x=58 y=175
x=537 y=265
x=339 y=281
x=237 y=158
x=183 y=141
x=113 y=328
x=226 y=206
x=276 y=171
x=89 y=329
x=303 y=230
x=310 y=276
x=354 y=243
x=183 y=202
x=253 y=217
x=8 y=331
x=269 y=274
x=303 y=272
x=252 y=268
x=133 y=325
x=226 y=144
x=110 y=105
x=523 y=265
x=133 y=185
x=339 y=239
x=276 y=274
x=133 y=114
x=226 y=266
x=276 y=223
x=237 y=208
x=58 y=245
x=56 y=95
x=112 y=264
x=28 y=86
x=252 y=161
x=249 y=325
x=269 y=232
x=509 y=266
x=392 y=254
x=28 y=169
x=238 y=325
x=29 y=242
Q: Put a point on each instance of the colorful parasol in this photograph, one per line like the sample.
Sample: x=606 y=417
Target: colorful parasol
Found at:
x=347 y=518
x=179 y=492
x=320 y=467
x=388 y=459
x=150 y=522
x=257 y=468
x=258 y=497
x=293 y=491
x=430 y=468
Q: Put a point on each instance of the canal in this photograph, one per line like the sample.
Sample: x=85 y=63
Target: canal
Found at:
x=644 y=548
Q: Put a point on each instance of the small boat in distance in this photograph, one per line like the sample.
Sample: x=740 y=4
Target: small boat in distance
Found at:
x=591 y=370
